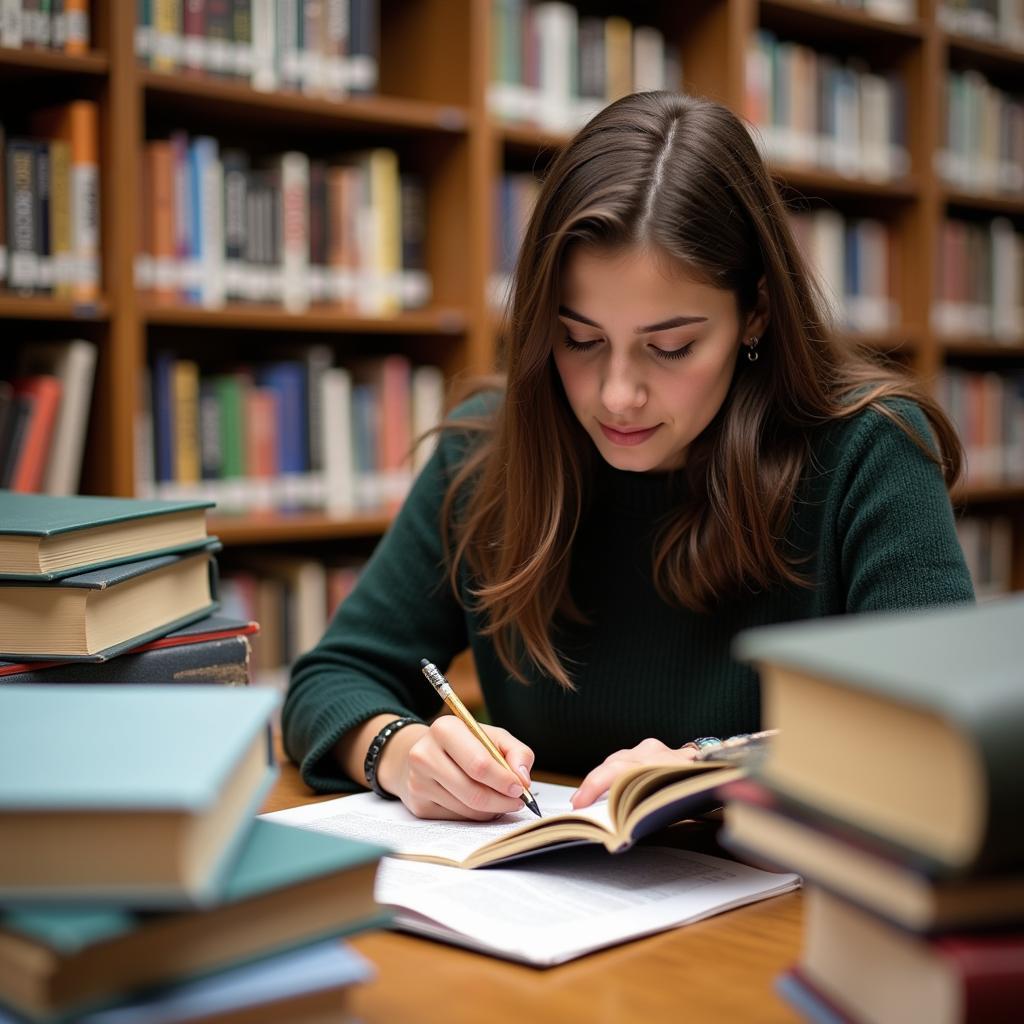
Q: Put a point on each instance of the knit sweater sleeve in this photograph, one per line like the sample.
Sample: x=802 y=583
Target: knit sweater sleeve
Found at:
x=897 y=541
x=367 y=663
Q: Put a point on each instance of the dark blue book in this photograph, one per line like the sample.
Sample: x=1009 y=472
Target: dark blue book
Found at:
x=213 y=650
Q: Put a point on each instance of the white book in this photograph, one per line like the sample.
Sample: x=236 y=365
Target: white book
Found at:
x=264 y=34
x=11 y=30
x=293 y=225
x=74 y=364
x=544 y=910
x=648 y=59
x=212 y=288
x=427 y=410
x=557 y=25
x=827 y=254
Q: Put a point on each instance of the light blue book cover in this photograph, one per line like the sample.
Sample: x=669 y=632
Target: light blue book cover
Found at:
x=68 y=752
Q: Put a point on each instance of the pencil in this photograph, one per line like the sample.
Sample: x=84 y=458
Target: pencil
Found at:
x=451 y=698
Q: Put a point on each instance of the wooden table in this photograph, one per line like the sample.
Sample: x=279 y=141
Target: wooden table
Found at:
x=718 y=971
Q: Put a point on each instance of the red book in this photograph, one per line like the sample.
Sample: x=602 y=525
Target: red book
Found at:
x=30 y=468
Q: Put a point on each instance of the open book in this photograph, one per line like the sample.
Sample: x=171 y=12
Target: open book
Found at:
x=641 y=802
x=541 y=910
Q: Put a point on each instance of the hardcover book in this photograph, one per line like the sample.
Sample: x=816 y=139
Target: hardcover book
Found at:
x=213 y=650
x=763 y=827
x=98 y=615
x=904 y=725
x=869 y=972
x=47 y=537
x=135 y=795
x=288 y=887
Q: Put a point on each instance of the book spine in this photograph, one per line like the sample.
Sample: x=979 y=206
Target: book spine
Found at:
x=21 y=216
x=30 y=470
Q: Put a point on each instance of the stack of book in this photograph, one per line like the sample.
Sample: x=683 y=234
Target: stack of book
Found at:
x=895 y=788
x=135 y=881
x=113 y=590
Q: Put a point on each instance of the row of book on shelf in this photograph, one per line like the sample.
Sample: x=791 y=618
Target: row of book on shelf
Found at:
x=911 y=854
x=980 y=280
x=49 y=213
x=219 y=227
x=297 y=433
x=328 y=48
x=44 y=416
x=555 y=67
x=987 y=409
x=998 y=21
x=813 y=108
x=135 y=879
x=62 y=25
x=987 y=544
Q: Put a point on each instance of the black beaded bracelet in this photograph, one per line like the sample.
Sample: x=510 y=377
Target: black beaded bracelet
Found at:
x=376 y=748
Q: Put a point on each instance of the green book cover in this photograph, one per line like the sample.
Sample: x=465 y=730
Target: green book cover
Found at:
x=961 y=666
x=50 y=518
x=116 y=748
x=232 y=425
x=275 y=862
x=42 y=515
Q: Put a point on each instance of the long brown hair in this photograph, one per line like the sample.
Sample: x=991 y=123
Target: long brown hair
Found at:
x=683 y=176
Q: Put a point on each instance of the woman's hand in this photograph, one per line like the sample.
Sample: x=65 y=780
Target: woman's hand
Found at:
x=650 y=751
x=443 y=771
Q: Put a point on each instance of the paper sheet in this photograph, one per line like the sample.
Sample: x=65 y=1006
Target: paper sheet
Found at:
x=549 y=909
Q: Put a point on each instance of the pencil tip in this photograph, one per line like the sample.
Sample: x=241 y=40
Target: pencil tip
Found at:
x=532 y=804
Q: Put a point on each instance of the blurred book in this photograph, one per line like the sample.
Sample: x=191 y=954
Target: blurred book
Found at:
x=906 y=726
x=139 y=795
x=857 y=969
x=288 y=888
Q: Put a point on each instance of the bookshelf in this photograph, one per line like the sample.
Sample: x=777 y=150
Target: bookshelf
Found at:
x=432 y=106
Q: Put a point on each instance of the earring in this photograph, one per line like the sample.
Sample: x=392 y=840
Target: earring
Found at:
x=752 y=348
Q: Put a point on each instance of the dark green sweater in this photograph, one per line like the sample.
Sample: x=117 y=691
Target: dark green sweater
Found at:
x=873 y=519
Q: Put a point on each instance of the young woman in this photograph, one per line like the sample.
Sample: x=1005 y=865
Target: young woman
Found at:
x=682 y=449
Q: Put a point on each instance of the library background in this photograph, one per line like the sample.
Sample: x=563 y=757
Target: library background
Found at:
x=247 y=246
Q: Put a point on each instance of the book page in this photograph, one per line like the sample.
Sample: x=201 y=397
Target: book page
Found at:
x=389 y=823
x=551 y=909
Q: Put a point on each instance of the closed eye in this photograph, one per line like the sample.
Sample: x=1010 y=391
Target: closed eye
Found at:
x=578 y=346
x=675 y=353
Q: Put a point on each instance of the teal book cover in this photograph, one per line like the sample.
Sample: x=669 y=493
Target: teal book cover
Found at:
x=69 y=535
x=108 y=769
x=326 y=883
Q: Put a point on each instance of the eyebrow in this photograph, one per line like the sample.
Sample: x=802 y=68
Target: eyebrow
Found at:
x=664 y=325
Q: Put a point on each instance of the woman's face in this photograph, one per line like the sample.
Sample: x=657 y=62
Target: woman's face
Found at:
x=647 y=353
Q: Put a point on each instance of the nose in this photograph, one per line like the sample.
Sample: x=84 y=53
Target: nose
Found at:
x=622 y=389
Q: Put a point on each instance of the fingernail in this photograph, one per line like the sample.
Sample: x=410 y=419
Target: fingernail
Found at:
x=515 y=789
x=525 y=773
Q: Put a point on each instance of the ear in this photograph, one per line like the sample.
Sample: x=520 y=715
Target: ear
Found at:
x=758 y=320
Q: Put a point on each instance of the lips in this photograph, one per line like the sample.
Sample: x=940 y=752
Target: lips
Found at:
x=627 y=437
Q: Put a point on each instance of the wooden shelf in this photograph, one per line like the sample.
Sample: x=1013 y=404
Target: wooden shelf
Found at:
x=830 y=21
x=276 y=528
x=315 y=319
x=986 y=202
x=989 y=494
x=39 y=307
x=830 y=184
x=375 y=114
x=885 y=341
x=526 y=139
x=49 y=62
x=985 y=55
x=982 y=347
